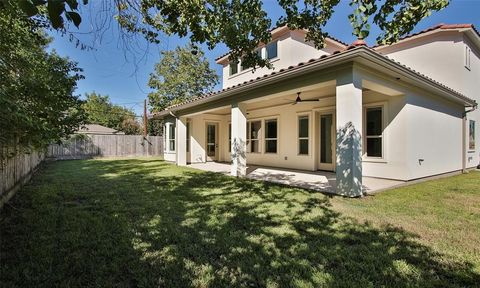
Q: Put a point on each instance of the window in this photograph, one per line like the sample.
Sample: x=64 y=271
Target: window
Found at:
x=188 y=136
x=303 y=135
x=229 y=137
x=171 y=137
x=164 y=134
x=468 y=53
x=253 y=136
x=374 y=130
x=243 y=66
x=272 y=50
x=233 y=68
x=259 y=53
x=471 y=135
x=271 y=136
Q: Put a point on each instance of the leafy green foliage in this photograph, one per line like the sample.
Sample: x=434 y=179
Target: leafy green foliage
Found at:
x=180 y=75
x=131 y=127
x=57 y=10
x=398 y=17
x=312 y=17
x=100 y=110
x=155 y=127
x=37 y=104
x=242 y=25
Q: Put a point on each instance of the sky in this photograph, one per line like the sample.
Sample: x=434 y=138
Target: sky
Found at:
x=108 y=70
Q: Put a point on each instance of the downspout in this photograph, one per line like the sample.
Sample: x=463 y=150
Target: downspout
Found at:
x=464 y=137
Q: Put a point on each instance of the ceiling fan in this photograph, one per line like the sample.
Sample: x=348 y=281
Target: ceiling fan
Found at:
x=299 y=100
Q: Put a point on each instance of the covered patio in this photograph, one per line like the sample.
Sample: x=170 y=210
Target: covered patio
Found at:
x=348 y=113
x=323 y=181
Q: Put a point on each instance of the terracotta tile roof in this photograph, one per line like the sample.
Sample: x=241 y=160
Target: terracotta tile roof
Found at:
x=441 y=26
x=311 y=62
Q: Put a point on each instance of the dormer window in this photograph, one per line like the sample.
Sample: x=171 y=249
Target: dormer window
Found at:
x=272 y=50
x=233 y=68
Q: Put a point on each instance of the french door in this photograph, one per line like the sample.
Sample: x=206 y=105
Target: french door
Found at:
x=212 y=141
x=327 y=141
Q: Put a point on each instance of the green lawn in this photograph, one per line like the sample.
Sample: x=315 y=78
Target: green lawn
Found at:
x=146 y=223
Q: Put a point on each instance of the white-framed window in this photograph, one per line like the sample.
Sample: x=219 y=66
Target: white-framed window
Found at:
x=303 y=134
x=188 y=136
x=272 y=50
x=253 y=136
x=271 y=135
x=468 y=55
x=164 y=133
x=471 y=135
x=171 y=137
x=233 y=66
x=373 y=131
x=242 y=66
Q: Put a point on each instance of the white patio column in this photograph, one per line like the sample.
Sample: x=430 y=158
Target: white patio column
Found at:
x=239 y=140
x=349 y=134
x=181 y=141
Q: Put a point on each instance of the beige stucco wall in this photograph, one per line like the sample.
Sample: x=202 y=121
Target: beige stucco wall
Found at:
x=291 y=50
x=393 y=166
x=441 y=56
x=434 y=134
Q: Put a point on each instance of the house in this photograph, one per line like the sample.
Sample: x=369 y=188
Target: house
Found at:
x=403 y=111
x=98 y=130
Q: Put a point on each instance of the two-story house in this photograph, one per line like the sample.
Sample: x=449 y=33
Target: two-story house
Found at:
x=403 y=111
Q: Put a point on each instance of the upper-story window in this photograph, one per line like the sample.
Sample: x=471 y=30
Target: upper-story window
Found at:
x=243 y=66
x=233 y=68
x=272 y=50
x=468 y=53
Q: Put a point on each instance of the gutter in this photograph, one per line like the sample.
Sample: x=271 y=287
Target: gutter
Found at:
x=464 y=138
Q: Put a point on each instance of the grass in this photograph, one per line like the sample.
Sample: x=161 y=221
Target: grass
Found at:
x=146 y=223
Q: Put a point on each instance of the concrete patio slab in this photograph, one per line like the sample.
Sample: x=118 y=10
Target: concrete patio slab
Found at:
x=323 y=181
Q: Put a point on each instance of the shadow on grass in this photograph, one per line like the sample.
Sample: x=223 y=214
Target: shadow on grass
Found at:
x=143 y=223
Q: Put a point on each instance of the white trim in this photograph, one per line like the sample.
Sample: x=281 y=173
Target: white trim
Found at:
x=258 y=139
x=383 y=105
x=277 y=119
x=467 y=57
x=320 y=165
x=241 y=72
x=309 y=138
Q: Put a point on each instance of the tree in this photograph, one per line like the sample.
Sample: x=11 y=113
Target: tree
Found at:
x=37 y=104
x=180 y=75
x=242 y=25
x=131 y=127
x=155 y=127
x=100 y=110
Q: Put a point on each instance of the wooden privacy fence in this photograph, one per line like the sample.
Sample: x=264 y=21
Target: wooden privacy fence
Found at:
x=16 y=171
x=88 y=146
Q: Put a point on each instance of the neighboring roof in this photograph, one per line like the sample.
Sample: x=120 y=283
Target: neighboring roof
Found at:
x=97 y=129
x=351 y=50
x=277 y=29
x=439 y=27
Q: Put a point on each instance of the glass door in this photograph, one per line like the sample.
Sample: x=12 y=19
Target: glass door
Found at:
x=212 y=141
x=327 y=142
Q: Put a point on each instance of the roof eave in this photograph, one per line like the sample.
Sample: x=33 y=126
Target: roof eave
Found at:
x=341 y=58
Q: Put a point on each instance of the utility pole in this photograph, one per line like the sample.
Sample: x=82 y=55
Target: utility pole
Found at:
x=145 y=118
